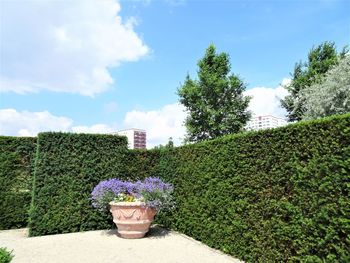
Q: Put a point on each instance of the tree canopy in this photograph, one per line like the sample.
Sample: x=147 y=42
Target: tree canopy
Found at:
x=331 y=96
x=215 y=101
x=320 y=60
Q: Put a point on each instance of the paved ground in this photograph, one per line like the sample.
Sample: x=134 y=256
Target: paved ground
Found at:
x=104 y=246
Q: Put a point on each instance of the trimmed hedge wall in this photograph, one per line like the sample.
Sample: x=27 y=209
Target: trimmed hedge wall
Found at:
x=67 y=168
x=16 y=162
x=279 y=195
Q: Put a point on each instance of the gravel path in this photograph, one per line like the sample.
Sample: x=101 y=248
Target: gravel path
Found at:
x=104 y=246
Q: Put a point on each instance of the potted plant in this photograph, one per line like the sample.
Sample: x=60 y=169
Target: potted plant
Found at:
x=132 y=204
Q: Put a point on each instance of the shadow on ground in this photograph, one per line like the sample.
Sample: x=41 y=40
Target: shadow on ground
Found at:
x=155 y=231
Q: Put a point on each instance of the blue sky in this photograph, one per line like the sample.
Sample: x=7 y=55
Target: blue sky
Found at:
x=99 y=66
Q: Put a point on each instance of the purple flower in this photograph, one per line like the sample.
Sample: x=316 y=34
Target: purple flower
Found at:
x=153 y=191
x=109 y=189
x=152 y=184
x=156 y=193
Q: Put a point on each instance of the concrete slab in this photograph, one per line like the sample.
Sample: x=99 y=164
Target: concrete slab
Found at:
x=105 y=246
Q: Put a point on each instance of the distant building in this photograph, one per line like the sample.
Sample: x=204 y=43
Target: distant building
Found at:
x=265 y=122
x=136 y=138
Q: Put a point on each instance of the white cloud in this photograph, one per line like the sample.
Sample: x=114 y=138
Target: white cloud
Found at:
x=96 y=128
x=24 y=123
x=64 y=46
x=266 y=101
x=285 y=82
x=160 y=124
x=27 y=123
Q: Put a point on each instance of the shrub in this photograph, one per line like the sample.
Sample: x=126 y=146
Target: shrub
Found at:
x=5 y=256
x=278 y=195
x=68 y=166
x=16 y=162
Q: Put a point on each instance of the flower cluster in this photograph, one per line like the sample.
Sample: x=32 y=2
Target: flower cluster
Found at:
x=152 y=191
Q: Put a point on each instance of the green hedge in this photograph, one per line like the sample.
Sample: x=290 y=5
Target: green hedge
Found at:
x=67 y=168
x=279 y=195
x=16 y=159
x=276 y=195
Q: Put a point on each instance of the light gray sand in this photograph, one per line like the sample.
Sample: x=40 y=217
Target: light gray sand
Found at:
x=104 y=246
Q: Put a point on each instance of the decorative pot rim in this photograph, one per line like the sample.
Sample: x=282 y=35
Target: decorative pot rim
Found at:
x=138 y=203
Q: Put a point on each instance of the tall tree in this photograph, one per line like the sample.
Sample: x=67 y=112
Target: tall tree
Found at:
x=215 y=102
x=320 y=60
x=170 y=144
x=331 y=96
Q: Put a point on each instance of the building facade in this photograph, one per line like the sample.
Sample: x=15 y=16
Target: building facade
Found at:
x=136 y=138
x=265 y=122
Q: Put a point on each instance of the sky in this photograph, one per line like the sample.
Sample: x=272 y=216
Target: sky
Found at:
x=105 y=65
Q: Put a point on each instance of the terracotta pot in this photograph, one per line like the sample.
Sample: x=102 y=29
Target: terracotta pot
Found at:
x=133 y=219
